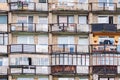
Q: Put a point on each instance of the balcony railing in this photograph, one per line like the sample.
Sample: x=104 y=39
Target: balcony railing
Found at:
x=3 y=70
x=69 y=69
x=3 y=49
x=69 y=6
x=30 y=6
x=104 y=27
x=104 y=70
x=28 y=48
x=69 y=27
x=27 y=69
x=105 y=48
x=3 y=28
x=69 y=48
x=28 y=27
x=102 y=6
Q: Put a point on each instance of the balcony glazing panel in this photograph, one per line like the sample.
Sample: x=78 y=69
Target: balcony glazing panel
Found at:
x=3 y=49
x=82 y=69
x=3 y=70
x=3 y=27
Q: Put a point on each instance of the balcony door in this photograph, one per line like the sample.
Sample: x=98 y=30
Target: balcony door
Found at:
x=30 y=23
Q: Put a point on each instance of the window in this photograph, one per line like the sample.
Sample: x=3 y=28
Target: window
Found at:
x=66 y=40
x=83 y=79
x=42 y=1
x=25 y=40
x=19 y=61
x=44 y=60
x=3 y=19
x=107 y=3
x=3 y=39
x=3 y=1
x=83 y=60
x=22 y=19
x=66 y=19
x=43 y=39
x=82 y=19
x=1 y=62
x=25 y=78
x=65 y=78
x=105 y=19
x=106 y=40
x=44 y=78
x=83 y=1
x=43 y=20
x=119 y=19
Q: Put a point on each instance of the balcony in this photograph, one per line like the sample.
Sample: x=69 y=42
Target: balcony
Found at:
x=69 y=48
x=28 y=48
x=29 y=69
x=104 y=27
x=71 y=6
x=3 y=49
x=62 y=69
x=102 y=6
x=3 y=70
x=104 y=70
x=28 y=6
x=105 y=48
x=3 y=28
x=69 y=27
x=28 y=27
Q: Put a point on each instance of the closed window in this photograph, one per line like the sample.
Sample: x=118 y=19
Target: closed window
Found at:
x=83 y=1
x=65 y=78
x=43 y=39
x=3 y=19
x=107 y=3
x=43 y=20
x=25 y=40
x=82 y=19
x=3 y=1
x=66 y=40
x=44 y=78
x=1 y=62
x=25 y=78
x=66 y=19
x=42 y=1
x=105 y=19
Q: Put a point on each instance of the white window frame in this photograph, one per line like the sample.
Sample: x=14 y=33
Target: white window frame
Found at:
x=25 y=37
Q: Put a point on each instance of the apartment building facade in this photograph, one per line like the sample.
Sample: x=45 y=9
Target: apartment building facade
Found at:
x=59 y=40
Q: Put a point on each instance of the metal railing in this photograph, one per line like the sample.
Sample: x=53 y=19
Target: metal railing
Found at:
x=99 y=27
x=29 y=69
x=28 y=27
x=69 y=6
x=69 y=48
x=105 y=48
x=69 y=27
x=103 y=6
x=28 y=48
x=32 y=6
